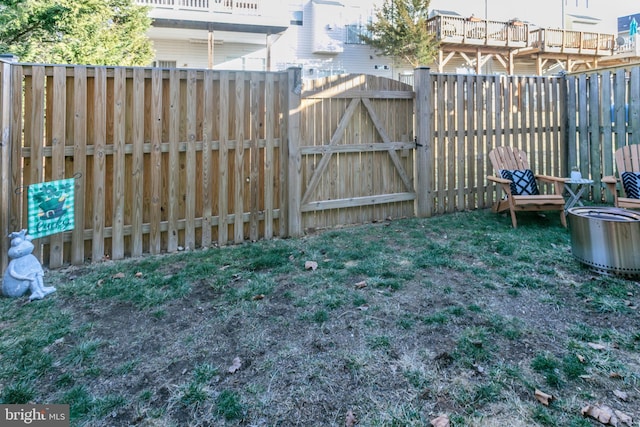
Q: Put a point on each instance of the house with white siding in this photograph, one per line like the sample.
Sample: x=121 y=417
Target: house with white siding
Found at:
x=321 y=37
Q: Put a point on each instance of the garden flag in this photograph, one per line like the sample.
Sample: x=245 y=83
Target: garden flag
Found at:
x=50 y=207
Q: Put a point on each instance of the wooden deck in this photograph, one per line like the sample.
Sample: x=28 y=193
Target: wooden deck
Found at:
x=477 y=39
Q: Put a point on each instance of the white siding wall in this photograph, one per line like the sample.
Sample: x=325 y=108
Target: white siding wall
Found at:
x=227 y=56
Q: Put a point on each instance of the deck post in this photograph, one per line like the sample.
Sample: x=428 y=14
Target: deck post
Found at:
x=424 y=140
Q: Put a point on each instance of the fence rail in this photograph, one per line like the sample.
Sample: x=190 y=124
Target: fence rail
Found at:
x=170 y=158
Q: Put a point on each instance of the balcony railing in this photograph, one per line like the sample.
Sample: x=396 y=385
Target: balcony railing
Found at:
x=248 y=7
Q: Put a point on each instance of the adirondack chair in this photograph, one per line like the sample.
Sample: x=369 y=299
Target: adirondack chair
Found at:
x=628 y=165
x=520 y=185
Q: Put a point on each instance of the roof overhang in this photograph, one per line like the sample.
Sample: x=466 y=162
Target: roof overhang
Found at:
x=219 y=26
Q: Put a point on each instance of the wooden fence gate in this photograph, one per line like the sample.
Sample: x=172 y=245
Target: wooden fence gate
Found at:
x=356 y=151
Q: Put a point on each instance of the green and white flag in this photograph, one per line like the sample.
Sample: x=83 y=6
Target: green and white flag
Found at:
x=50 y=207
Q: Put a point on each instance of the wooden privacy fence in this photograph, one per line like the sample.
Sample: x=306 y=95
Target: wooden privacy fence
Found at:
x=169 y=158
x=603 y=114
x=162 y=158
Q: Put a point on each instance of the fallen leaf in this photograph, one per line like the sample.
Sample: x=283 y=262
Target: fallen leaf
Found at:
x=596 y=346
x=615 y=375
x=363 y=307
x=621 y=395
x=310 y=265
x=258 y=297
x=350 y=419
x=441 y=421
x=139 y=274
x=237 y=363
x=118 y=276
x=361 y=285
x=580 y=358
x=100 y=282
x=604 y=414
x=623 y=418
x=543 y=397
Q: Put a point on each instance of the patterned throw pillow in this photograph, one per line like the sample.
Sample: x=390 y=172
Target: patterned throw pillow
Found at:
x=631 y=184
x=523 y=182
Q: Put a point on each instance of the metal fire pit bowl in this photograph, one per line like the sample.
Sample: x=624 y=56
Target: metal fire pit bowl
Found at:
x=606 y=239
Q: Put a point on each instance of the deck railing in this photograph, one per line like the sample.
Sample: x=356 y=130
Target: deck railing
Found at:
x=455 y=29
x=554 y=40
x=474 y=31
x=248 y=7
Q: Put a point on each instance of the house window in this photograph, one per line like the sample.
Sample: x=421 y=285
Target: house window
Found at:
x=164 y=64
x=296 y=18
x=354 y=32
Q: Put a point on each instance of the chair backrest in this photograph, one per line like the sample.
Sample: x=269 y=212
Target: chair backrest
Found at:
x=628 y=159
x=510 y=158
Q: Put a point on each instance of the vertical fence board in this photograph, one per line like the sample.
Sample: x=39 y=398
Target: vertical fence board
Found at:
x=451 y=145
x=594 y=130
x=480 y=141
x=634 y=106
x=269 y=164
x=254 y=156
x=606 y=146
x=16 y=143
x=223 y=164
x=119 y=171
x=238 y=171
x=58 y=142
x=283 y=158
x=79 y=161
x=440 y=145
x=137 y=162
x=99 y=162
x=583 y=122
x=6 y=100
x=155 y=169
x=491 y=133
x=460 y=145
x=174 y=159
x=191 y=165
x=424 y=136
x=35 y=138
x=207 y=161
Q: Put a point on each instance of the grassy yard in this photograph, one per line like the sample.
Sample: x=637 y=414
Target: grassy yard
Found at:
x=396 y=323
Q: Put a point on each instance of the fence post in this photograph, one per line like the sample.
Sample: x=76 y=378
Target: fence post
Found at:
x=294 y=167
x=5 y=160
x=424 y=141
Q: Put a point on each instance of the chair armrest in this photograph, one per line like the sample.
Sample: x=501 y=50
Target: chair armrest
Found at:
x=498 y=179
x=610 y=180
x=552 y=179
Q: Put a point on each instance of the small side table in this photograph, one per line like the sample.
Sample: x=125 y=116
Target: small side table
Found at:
x=581 y=185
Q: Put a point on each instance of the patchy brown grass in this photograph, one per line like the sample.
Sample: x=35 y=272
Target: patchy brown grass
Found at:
x=401 y=322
